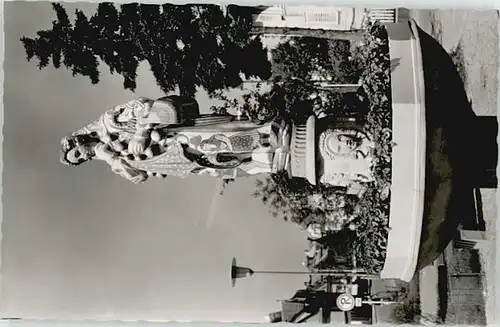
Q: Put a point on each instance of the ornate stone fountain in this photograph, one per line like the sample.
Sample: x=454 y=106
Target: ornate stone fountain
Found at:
x=169 y=137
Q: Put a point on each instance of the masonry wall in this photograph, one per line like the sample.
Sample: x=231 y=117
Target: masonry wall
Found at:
x=464 y=301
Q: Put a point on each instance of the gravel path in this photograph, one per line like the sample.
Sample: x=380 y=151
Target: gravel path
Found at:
x=477 y=34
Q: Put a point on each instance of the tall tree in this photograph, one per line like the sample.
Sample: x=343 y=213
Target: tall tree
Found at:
x=186 y=45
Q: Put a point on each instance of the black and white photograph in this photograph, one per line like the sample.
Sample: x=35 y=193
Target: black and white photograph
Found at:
x=212 y=162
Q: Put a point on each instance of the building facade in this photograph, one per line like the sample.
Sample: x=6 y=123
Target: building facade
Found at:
x=323 y=17
x=310 y=17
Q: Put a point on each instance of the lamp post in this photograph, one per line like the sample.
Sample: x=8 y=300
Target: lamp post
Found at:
x=243 y=272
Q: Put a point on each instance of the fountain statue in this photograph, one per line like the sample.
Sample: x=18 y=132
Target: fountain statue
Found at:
x=169 y=137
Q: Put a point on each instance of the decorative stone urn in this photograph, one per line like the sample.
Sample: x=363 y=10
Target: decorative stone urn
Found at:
x=334 y=152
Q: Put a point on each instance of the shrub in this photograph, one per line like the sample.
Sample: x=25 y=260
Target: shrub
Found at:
x=373 y=209
x=407 y=312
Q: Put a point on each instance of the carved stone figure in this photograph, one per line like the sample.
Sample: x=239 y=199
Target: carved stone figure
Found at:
x=169 y=137
x=347 y=156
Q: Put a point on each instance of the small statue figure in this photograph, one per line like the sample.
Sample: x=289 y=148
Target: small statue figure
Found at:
x=169 y=137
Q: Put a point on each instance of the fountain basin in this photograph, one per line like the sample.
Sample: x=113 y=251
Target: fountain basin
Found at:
x=408 y=154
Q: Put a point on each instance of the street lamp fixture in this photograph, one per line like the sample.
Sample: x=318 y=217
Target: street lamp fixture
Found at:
x=239 y=272
x=242 y=272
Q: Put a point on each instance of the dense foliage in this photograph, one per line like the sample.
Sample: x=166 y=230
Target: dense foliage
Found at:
x=407 y=312
x=298 y=65
x=303 y=204
x=298 y=201
x=373 y=218
x=185 y=45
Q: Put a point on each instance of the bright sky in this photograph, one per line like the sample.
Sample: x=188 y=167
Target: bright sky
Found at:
x=85 y=243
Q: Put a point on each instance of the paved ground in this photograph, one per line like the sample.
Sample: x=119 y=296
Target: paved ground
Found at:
x=477 y=34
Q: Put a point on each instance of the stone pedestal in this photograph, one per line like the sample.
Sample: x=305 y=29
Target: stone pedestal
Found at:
x=332 y=152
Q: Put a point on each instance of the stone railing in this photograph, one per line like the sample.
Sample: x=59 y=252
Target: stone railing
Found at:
x=382 y=15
